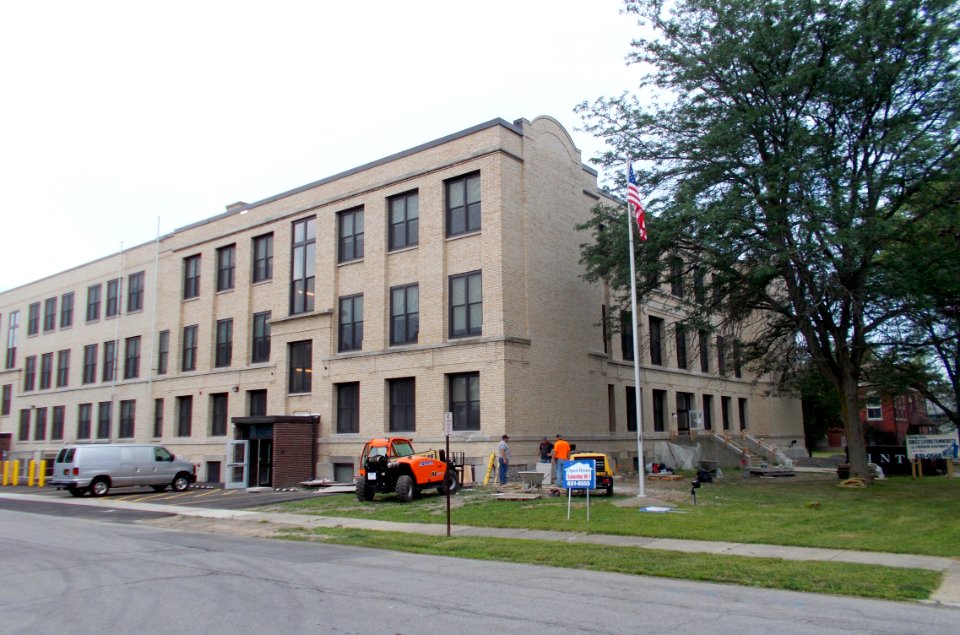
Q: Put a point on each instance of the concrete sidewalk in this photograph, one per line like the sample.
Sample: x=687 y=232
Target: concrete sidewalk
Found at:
x=948 y=593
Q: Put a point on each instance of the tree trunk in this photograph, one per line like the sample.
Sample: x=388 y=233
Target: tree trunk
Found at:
x=856 y=444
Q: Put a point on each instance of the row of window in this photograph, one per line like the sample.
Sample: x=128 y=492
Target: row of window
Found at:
x=685 y=413
x=657 y=332
x=462 y=214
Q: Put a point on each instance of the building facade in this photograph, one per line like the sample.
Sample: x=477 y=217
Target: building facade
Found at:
x=441 y=279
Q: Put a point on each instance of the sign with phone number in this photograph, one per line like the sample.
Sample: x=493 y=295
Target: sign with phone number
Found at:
x=580 y=474
x=932 y=446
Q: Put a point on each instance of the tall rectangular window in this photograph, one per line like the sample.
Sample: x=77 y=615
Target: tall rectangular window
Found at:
x=30 y=373
x=66 y=310
x=737 y=369
x=301 y=366
x=158 y=418
x=93 y=303
x=466 y=304
x=403 y=404
x=224 y=353
x=742 y=411
x=256 y=403
x=708 y=412
x=89 y=363
x=659 y=410
x=191 y=277
x=704 y=351
x=699 y=284
x=874 y=407
x=131 y=358
x=163 y=352
x=113 y=298
x=725 y=412
x=135 y=284
x=104 y=419
x=676 y=277
x=23 y=434
x=721 y=355
x=350 y=235
x=404 y=314
x=46 y=371
x=188 y=355
x=351 y=323
x=261 y=338
x=184 y=416
x=49 y=315
x=631 y=409
x=464 y=391
x=13 y=323
x=56 y=426
x=128 y=418
x=109 y=361
x=226 y=267
x=7 y=400
x=84 y=416
x=680 y=332
x=63 y=368
x=40 y=427
x=656 y=341
x=463 y=204
x=404 y=220
x=218 y=414
x=33 y=319
x=626 y=336
x=263 y=258
x=348 y=408
x=303 y=267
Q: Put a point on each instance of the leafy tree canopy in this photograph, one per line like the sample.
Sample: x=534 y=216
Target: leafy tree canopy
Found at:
x=782 y=146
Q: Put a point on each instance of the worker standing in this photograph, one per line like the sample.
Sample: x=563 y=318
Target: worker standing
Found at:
x=561 y=452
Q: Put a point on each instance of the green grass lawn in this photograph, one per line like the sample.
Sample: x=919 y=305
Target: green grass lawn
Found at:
x=897 y=515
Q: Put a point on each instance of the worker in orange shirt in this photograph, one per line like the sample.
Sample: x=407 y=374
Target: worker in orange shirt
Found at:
x=561 y=452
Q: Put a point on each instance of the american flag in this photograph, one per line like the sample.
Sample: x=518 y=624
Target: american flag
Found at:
x=634 y=204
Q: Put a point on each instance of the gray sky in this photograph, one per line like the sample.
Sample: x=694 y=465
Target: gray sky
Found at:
x=115 y=114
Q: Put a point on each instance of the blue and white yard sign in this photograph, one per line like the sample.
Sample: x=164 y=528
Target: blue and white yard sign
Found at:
x=580 y=474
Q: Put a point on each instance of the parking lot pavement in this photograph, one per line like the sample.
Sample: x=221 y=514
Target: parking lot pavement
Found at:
x=214 y=498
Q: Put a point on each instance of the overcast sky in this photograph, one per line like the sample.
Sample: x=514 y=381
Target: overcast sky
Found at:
x=116 y=114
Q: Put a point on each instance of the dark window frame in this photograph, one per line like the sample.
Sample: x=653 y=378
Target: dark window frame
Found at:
x=303 y=265
x=656 y=326
x=58 y=422
x=262 y=258
x=404 y=322
x=219 y=407
x=33 y=319
x=471 y=280
x=184 y=416
x=66 y=310
x=350 y=232
x=188 y=348
x=348 y=408
x=163 y=352
x=680 y=336
x=91 y=355
x=93 y=302
x=191 y=277
x=659 y=410
x=466 y=411
x=46 y=371
x=109 y=366
x=462 y=215
x=40 y=425
x=63 y=368
x=226 y=267
x=84 y=420
x=350 y=323
x=223 y=356
x=403 y=404
x=131 y=357
x=626 y=336
x=403 y=229
x=300 y=362
x=158 y=418
x=114 y=292
x=49 y=315
x=260 y=350
x=30 y=373
x=128 y=419
x=104 y=419
x=135 y=290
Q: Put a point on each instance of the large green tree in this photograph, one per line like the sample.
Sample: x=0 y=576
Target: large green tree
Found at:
x=780 y=145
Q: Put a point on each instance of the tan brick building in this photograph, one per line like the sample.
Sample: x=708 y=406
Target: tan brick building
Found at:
x=443 y=278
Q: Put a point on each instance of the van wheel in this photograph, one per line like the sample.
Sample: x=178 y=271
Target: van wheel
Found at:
x=158 y=488
x=180 y=483
x=76 y=491
x=99 y=487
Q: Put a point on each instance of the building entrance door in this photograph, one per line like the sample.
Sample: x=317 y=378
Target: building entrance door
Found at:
x=237 y=452
x=261 y=463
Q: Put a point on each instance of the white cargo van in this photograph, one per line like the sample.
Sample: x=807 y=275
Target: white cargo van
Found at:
x=97 y=468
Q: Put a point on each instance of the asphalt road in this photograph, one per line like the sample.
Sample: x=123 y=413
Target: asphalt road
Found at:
x=110 y=574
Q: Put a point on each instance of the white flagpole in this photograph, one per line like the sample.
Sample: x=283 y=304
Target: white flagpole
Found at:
x=636 y=357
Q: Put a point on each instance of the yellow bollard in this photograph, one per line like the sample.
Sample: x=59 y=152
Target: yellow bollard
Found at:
x=16 y=473
x=6 y=472
x=31 y=471
x=42 y=475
